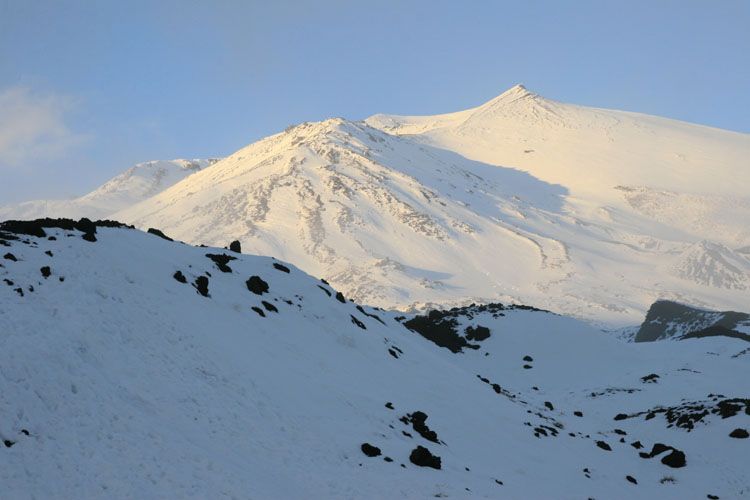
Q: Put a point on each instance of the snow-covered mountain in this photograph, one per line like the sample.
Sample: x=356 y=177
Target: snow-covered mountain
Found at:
x=589 y=212
x=128 y=188
x=136 y=367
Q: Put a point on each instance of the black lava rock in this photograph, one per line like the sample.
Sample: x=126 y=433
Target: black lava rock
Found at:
x=221 y=261
x=10 y=256
x=631 y=479
x=256 y=285
x=603 y=446
x=340 y=297
x=739 y=434
x=370 y=450
x=528 y=358
x=235 y=246
x=478 y=334
x=422 y=457
x=158 y=233
x=676 y=459
x=180 y=277
x=281 y=267
x=269 y=307
x=45 y=271
x=201 y=284
x=259 y=311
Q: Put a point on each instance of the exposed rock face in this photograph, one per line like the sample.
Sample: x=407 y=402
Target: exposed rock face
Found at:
x=667 y=319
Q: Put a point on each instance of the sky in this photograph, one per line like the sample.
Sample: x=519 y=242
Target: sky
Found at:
x=88 y=89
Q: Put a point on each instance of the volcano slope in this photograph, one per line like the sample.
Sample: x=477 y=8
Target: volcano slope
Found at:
x=134 y=366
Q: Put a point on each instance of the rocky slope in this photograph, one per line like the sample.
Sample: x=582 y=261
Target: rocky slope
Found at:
x=134 y=366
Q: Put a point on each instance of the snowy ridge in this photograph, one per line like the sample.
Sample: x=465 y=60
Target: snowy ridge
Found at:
x=588 y=212
x=137 y=183
x=166 y=370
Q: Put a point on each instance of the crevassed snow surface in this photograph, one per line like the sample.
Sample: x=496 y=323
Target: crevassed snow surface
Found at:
x=119 y=381
x=589 y=212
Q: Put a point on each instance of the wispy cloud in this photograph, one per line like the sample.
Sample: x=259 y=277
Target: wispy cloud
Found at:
x=34 y=127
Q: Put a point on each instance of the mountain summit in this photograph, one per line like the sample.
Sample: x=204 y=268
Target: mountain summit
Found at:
x=590 y=212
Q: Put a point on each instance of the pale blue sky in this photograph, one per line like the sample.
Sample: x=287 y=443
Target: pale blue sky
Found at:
x=88 y=88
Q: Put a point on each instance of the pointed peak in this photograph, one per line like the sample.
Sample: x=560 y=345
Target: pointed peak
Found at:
x=518 y=91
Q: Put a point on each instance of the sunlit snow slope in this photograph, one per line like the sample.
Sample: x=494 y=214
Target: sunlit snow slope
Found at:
x=135 y=367
x=128 y=188
x=589 y=212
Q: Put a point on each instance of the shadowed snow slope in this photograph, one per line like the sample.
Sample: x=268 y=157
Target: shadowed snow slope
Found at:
x=588 y=212
x=136 y=367
x=135 y=184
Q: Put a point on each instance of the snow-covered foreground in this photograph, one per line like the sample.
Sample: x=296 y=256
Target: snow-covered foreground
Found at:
x=119 y=380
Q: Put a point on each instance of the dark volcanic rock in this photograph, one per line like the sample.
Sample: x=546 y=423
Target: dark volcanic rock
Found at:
x=603 y=446
x=418 y=421
x=235 y=246
x=631 y=479
x=158 y=233
x=89 y=237
x=676 y=459
x=667 y=319
x=45 y=271
x=739 y=434
x=180 y=277
x=370 y=450
x=256 y=285
x=477 y=334
x=281 y=267
x=201 y=284
x=259 y=311
x=340 y=297
x=357 y=322
x=422 y=457
x=10 y=256
x=269 y=307
x=221 y=261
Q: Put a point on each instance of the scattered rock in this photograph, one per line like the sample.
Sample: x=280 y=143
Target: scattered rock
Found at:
x=8 y=443
x=201 y=284
x=46 y=271
x=548 y=405
x=477 y=334
x=422 y=457
x=389 y=405
x=370 y=450
x=528 y=358
x=10 y=256
x=235 y=246
x=158 y=233
x=357 y=322
x=620 y=416
x=650 y=379
x=269 y=307
x=578 y=413
x=281 y=267
x=739 y=434
x=89 y=237
x=418 y=421
x=180 y=277
x=676 y=459
x=340 y=297
x=256 y=285
x=603 y=446
x=631 y=479
x=259 y=311
x=221 y=261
